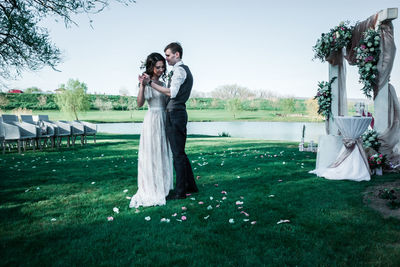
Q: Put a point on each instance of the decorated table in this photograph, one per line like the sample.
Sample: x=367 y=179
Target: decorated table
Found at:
x=351 y=163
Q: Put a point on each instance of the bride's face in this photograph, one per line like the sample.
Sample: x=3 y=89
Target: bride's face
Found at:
x=159 y=68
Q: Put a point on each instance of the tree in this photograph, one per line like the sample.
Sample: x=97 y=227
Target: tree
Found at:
x=73 y=98
x=24 y=45
x=42 y=101
x=103 y=105
x=3 y=101
x=234 y=105
x=132 y=105
x=31 y=90
x=288 y=104
x=230 y=91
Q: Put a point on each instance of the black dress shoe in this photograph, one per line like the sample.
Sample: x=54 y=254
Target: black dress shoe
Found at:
x=172 y=197
x=192 y=190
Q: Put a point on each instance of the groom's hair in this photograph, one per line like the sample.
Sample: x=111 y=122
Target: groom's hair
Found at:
x=175 y=47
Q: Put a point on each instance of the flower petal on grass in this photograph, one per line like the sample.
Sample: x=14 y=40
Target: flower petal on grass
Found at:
x=208 y=216
x=128 y=197
x=53 y=219
x=148 y=218
x=223 y=192
x=253 y=222
x=246 y=220
x=245 y=213
x=93 y=182
x=271 y=196
x=173 y=215
x=184 y=208
x=231 y=220
x=116 y=210
x=110 y=218
x=183 y=218
x=209 y=207
x=126 y=190
x=283 y=221
x=239 y=202
x=201 y=202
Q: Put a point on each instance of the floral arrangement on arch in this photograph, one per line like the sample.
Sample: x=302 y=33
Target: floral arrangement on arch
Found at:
x=324 y=98
x=337 y=38
x=367 y=57
x=370 y=139
x=377 y=160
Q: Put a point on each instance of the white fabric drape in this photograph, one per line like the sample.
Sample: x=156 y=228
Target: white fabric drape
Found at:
x=351 y=163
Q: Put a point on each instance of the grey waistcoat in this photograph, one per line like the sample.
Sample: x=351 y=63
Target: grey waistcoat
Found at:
x=178 y=102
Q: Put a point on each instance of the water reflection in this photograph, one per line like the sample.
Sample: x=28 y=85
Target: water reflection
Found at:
x=284 y=131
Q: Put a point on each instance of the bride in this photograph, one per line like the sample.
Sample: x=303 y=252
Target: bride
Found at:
x=155 y=171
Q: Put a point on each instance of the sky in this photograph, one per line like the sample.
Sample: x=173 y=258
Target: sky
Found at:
x=259 y=44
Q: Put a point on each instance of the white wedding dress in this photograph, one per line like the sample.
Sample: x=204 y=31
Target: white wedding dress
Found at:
x=155 y=169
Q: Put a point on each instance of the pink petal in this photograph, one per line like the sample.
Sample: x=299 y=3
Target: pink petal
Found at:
x=253 y=222
x=173 y=215
x=201 y=202
x=184 y=208
x=110 y=218
x=245 y=213
x=198 y=177
x=183 y=218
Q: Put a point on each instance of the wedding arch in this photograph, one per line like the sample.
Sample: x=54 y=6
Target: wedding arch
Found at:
x=369 y=45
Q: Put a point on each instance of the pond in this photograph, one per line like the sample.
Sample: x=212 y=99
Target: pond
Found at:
x=282 y=131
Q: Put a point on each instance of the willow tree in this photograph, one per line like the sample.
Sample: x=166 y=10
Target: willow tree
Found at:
x=73 y=99
x=24 y=44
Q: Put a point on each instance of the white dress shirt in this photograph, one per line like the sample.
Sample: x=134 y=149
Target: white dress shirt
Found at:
x=177 y=79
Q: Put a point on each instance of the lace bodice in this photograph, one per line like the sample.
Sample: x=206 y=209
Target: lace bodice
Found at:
x=155 y=99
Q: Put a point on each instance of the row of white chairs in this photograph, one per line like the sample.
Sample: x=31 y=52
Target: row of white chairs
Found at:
x=35 y=131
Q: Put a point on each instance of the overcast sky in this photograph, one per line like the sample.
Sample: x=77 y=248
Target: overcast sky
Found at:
x=260 y=44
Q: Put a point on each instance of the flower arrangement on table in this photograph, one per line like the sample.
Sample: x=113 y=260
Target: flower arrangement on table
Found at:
x=324 y=98
x=337 y=38
x=367 y=57
x=376 y=161
x=370 y=139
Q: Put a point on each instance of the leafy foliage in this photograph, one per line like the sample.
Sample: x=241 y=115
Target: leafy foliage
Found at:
x=24 y=44
x=370 y=139
x=367 y=55
x=337 y=38
x=324 y=98
x=73 y=99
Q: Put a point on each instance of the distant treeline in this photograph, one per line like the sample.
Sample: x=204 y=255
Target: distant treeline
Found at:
x=9 y=101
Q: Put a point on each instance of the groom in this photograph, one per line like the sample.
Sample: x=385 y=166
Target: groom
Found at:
x=180 y=86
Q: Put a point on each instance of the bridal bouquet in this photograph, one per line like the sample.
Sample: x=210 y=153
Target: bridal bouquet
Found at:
x=377 y=161
x=367 y=57
x=337 y=38
x=370 y=139
x=324 y=98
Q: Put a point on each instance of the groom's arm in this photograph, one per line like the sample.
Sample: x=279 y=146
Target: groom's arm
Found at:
x=164 y=90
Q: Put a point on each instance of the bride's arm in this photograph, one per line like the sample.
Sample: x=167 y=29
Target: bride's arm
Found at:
x=140 y=97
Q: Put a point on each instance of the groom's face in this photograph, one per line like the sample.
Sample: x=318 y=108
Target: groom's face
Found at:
x=171 y=58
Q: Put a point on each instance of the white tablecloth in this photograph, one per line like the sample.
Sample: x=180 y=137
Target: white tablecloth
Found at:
x=351 y=162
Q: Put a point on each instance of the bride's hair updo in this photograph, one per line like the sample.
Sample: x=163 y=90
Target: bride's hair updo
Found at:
x=151 y=62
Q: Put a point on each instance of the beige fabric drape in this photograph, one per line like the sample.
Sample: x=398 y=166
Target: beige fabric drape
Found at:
x=391 y=136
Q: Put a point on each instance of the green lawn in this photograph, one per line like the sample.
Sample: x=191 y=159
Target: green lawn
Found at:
x=194 y=115
x=54 y=207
